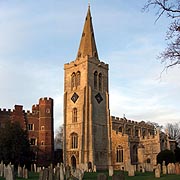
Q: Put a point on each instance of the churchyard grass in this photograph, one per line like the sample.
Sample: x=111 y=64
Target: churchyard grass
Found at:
x=93 y=176
x=138 y=176
x=32 y=176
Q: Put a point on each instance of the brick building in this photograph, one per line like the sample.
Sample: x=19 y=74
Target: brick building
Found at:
x=39 y=124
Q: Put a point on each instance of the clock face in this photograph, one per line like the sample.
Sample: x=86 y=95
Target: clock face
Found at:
x=99 y=98
x=74 y=97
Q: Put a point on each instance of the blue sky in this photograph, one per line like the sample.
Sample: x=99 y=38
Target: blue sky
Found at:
x=38 y=37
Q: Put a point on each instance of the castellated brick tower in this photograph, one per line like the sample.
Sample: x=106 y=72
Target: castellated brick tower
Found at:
x=86 y=106
x=46 y=135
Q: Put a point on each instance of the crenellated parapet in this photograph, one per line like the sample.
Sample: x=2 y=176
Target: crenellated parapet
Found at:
x=4 y=110
x=132 y=128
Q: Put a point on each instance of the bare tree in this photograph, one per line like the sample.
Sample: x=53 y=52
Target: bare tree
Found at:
x=171 y=9
x=174 y=131
x=59 y=137
x=156 y=125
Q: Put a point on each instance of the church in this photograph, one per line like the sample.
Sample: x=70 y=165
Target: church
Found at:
x=92 y=137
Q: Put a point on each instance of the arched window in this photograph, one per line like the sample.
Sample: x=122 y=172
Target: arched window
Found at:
x=74 y=115
x=100 y=82
x=74 y=141
x=78 y=78
x=136 y=132
x=134 y=154
x=73 y=80
x=128 y=131
x=119 y=154
x=95 y=79
x=120 y=129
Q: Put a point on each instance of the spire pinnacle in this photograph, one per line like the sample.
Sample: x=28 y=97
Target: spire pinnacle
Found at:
x=87 y=45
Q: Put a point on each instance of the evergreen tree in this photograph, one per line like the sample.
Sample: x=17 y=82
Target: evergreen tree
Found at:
x=14 y=144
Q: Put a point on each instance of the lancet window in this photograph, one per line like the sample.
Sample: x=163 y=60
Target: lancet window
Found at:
x=100 y=82
x=95 y=79
x=119 y=154
x=74 y=141
x=74 y=115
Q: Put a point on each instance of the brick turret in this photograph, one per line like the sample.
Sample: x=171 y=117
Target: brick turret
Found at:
x=46 y=133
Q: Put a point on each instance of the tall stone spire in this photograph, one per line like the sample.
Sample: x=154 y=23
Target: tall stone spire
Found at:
x=87 y=44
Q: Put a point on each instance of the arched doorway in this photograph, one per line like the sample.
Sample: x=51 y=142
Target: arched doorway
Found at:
x=73 y=162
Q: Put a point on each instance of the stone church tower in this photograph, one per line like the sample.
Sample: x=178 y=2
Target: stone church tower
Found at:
x=87 y=130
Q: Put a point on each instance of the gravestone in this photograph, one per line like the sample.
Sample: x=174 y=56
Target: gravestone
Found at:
x=26 y=174
x=94 y=168
x=102 y=176
x=57 y=173
x=173 y=168
x=38 y=169
x=169 y=168
x=20 y=171
x=35 y=167
x=177 y=168
x=159 y=167
x=50 y=174
x=61 y=172
x=119 y=176
x=157 y=173
x=68 y=172
x=1 y=169
x=41 y=174
x=131 y=170
x=111 y=172
x=10 y=173
x=45 y=174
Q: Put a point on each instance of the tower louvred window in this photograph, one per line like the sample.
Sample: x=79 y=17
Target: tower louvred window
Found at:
x=95 y=79
x=100 y=81
x=74 y=115
x=78 y=78
x=73 y=80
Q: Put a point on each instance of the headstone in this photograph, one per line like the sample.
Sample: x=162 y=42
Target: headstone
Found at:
x=78 y=173
x=119 y=176
x=131 y=170
x=35 y=167
x=164 y=169
x=102 y=176
x=41 y=175
x=173 y=168
x=45 y=174
x=1 y=169
x=57 y=173
x=26 y=173
x=94 y=168
x=68 y=172
x=111 y=172
x=61 y=172
x=170 y=168
x=50 y=174
x=157 y=173
x=10 y=173
x=159 y=167
x=5 y=171
x=177 y=168
x=20 y=171
x=38 y=169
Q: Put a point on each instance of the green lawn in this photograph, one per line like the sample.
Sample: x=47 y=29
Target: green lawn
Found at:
x=138 y=176
x=93 y=176
x=32 y=176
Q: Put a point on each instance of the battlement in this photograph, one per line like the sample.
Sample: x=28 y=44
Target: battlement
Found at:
x=130 y=122
x=4 y=110
x=45 y=100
